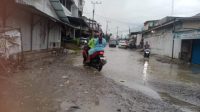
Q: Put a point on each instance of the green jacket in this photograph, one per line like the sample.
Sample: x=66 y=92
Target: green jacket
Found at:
x=91 y=43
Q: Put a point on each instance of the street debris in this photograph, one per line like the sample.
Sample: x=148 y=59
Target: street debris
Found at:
x=65 y=77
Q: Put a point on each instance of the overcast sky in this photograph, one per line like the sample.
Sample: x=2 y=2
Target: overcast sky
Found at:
x=133 y=13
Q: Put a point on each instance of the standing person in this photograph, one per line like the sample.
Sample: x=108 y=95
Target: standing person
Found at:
x=100 y=44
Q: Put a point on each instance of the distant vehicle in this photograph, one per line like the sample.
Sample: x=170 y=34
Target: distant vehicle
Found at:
x=146 y=53
x=123 y=44
x=112 y=43
x=131 y=44
x=83 y=40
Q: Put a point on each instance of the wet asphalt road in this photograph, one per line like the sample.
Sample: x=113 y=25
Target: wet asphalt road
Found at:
x=175 y=84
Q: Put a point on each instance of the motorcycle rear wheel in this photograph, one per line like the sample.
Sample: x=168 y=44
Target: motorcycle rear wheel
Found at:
x=100 y=67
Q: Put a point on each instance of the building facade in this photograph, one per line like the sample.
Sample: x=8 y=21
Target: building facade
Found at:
x=175 y=37
x=39 y=21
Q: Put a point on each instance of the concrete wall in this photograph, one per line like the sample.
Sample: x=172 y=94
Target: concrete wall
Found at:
x=20 y=18
x=45 y=32
x=76 y=3
x=55 y=35
x=191 y=24
x=74 y=11
x=139 y=37
x=161 y=43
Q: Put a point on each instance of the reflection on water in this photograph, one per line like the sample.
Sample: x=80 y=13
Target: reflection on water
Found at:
x=132 y=70
x=145 y=74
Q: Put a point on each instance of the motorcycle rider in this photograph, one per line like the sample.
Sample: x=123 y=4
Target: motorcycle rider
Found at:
x=91 y=43
x=146 y=49
x=146 y=46
x=99 y=45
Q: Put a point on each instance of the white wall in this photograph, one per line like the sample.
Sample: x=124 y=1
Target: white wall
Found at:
x=21 y=19
x=55 y=35
x=76 y=3
x=40 y=35
x=74 y=11
x=161 y=43
x=139 y=37
x=177 y=47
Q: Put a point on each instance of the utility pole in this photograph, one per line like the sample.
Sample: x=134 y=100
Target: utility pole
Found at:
x=94 y=3
x=107 y=27
x=172 y=13
x=117 y=31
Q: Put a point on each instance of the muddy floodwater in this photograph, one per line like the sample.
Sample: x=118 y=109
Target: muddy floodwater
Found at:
x=127 y=83
x=176 y=84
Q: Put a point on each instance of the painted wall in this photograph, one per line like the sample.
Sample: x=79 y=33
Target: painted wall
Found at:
x=162 y=41
x=76 y=3
x=74 y=11
x=139 y=37
x=20 y=18
x=46 y=32
x=55 y=35
x=40 y=33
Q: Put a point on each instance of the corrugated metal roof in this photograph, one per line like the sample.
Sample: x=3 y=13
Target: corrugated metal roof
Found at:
x=59 y=10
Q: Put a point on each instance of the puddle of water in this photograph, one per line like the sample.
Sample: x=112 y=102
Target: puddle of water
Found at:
x=129 y=68
x=143 y=89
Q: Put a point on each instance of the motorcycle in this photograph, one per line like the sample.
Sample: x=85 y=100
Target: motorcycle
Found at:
x=97 y=59
x=146 y=53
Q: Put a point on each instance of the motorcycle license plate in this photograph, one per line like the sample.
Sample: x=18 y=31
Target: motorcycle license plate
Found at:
x=103 y=59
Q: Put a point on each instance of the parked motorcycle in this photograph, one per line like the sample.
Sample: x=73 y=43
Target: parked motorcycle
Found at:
x=147 y=53
x=97 y=59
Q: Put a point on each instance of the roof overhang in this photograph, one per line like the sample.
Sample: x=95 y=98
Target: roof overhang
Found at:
x=76 y=21
x=34 y=10
x=59 y=10
x=135 y=33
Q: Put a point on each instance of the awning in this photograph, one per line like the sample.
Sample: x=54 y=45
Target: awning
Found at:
x=59 y=10
x=77 y=21
x=37 y=11
x=135 y=33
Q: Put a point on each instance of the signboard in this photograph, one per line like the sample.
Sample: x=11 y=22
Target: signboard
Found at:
x=194 y=34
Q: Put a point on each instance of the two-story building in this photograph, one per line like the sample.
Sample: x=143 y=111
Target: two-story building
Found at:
x=42 y=23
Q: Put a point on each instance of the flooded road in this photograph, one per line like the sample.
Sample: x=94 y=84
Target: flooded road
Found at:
x=127 y=83
x=178 y=85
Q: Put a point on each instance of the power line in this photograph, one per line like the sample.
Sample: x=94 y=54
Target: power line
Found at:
x=172 y=13
x=94 y=3
x=108 y=18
